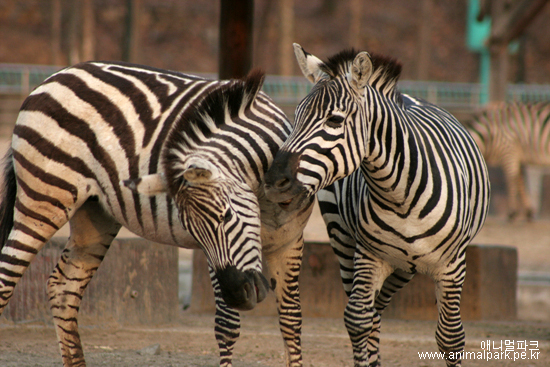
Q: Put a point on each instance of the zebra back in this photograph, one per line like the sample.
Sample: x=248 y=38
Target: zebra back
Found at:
x=503 y=128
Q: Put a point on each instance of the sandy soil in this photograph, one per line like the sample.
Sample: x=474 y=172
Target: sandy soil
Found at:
x=325 y=343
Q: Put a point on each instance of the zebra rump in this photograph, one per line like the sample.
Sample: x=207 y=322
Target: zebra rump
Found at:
x=512 y=135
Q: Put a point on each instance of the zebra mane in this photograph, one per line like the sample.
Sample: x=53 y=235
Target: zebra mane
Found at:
x=207 y=116
x=386 y=70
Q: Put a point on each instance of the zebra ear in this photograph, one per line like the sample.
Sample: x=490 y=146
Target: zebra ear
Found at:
x=149 y=185
x=361 y=70
x=198 y=170
x=309 y=64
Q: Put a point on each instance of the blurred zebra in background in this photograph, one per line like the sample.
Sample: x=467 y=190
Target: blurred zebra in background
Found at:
x=512 y=135
x=171 y=157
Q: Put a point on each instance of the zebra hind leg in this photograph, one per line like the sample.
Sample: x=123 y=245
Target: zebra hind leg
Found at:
x=92 y=231
x=450 y=334
x=30 y=224
x=227 y=324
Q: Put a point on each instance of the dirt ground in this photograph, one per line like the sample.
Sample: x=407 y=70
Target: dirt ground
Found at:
x=190 y=341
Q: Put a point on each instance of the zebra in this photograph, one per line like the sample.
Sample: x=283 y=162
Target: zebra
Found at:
x=401 y=185
x=177 y=159
x=513 y=135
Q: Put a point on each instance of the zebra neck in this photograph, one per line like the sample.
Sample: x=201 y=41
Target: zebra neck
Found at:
x=389 y=166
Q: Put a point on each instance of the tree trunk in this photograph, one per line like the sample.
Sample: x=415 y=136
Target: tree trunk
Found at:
x=425 y=41
x=131 y=44
x=57 y=57
x=88 y=30
x=355 y=8
x=286 y=18
x=74 y=49
x=236 y=27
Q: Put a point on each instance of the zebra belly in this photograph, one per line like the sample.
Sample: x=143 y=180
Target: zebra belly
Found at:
x=409 y=242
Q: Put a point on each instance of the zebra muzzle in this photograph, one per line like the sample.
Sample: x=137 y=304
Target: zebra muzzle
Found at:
x=242 y=290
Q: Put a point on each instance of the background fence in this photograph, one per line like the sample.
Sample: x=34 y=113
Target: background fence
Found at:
x=20 y=79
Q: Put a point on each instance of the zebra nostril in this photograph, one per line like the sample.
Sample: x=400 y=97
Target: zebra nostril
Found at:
x=282 y=184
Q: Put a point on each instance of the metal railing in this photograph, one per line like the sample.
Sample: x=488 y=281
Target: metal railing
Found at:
x=22 y=78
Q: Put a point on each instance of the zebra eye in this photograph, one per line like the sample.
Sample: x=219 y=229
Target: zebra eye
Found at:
x=335 y=120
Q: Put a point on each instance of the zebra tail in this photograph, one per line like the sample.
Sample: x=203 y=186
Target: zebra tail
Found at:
x=7 y=206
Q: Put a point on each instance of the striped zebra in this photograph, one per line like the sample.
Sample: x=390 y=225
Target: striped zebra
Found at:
x=401 y=185
x=172 y=157
x=513 y=135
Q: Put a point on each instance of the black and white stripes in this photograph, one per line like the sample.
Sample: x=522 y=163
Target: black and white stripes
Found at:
x=401 y=185
x=172 y=157
x=513 y=135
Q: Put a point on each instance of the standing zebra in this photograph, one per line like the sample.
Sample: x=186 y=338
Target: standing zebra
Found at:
x=513 y=135
x=105 y=145
x=402 y=188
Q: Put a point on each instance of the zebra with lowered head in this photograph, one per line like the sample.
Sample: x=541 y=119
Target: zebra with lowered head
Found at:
x=401 y=185
x=176 y=159
x=513 y=135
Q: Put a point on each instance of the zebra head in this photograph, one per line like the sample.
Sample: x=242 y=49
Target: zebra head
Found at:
x=202 y=173
x=330 y=137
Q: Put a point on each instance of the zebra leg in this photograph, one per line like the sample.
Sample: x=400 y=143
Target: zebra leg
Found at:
x=397 y=280
x=34 y=223
x=360 y=312
x=284 y=270
x=512 y=174
x=450 y=334
x=341 y=239
x=227 y=324
x=92 y=231
x=526 y=203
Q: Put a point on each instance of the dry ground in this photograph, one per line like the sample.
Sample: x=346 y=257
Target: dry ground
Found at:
x=190 y=341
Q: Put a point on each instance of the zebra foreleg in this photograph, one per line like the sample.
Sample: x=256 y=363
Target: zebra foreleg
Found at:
x=450 y=334
x=397 y=280
x=284 y=271
x=341 y=239
x=360 y=314
x=227 y=324
x=92 y=232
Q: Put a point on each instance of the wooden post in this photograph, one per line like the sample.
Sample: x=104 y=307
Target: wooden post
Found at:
x=236 y=20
